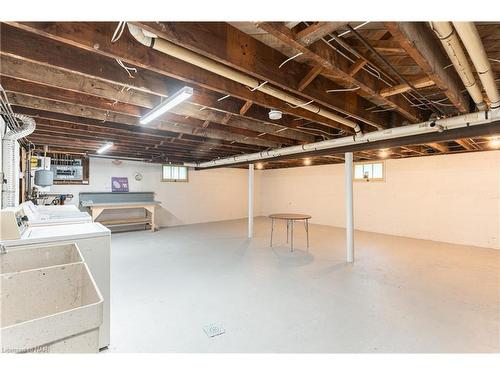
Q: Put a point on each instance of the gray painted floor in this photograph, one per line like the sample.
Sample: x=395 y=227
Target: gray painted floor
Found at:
x=401 y=295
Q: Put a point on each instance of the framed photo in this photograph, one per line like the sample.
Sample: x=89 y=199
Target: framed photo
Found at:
x=119 y=184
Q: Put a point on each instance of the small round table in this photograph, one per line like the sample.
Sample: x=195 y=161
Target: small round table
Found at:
x=290 y=219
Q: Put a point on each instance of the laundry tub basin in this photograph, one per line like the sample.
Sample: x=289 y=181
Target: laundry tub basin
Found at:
x=35 y=256
x=50 y=309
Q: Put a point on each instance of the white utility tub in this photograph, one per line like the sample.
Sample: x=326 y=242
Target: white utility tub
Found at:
x=49 y=301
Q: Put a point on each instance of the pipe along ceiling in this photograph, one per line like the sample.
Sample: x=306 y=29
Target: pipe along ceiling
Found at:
x=486 y=122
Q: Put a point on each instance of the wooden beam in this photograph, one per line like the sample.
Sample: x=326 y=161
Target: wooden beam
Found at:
x=466 y=144
x=317 y=30
x=245 y=107
x=309 y=77
x=224 y=43
x=439 y=147
x=91 y=124
x=336 y=65
x=419 y=84
x=357 y=66
x=83 y=111
x=427 y=52
x=97 y=89
x=21 y=44
x=88 y=36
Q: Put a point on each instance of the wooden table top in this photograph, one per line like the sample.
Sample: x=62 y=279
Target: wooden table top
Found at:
x=290 y=216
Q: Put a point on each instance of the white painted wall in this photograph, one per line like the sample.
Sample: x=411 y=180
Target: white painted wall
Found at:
x=450 y=198
x=211 y=195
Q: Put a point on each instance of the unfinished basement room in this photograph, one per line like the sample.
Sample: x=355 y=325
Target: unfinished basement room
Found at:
x=250 y=186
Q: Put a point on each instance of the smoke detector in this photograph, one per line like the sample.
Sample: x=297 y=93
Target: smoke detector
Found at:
x=274 y=114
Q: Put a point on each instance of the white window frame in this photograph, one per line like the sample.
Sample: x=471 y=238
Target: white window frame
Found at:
x=163 y=179
x=368 y=179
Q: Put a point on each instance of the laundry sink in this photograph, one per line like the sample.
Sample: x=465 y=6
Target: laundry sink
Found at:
x=36 y=256
x=51 y=309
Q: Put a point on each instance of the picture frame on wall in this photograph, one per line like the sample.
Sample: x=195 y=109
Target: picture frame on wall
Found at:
x=119 y=184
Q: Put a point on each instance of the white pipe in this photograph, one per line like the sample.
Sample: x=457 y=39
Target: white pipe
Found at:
x=474 y=46
x=471 y=119
x=203 y=62
x=349 y=224
x=250 y=200
x=451 y=43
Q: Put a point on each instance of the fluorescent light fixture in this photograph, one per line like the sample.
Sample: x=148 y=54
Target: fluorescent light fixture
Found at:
x=168 y=104
x=105 y=147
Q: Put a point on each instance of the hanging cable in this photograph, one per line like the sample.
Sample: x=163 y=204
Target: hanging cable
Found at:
x=290 y=59
x=127 y=69
x=403 y=79
x=258 y=86
x=300 y=105
x=342 y=90
x=118 y=31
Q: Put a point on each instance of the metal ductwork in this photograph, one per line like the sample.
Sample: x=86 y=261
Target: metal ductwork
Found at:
x=474 y=46
x=469 y=122
x=451 y=43
x=184 y=54
x=10 y=157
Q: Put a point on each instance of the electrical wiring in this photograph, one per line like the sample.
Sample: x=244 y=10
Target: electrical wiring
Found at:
x=343 y=90
x=290 y=59
x=127 y=69
x=118 y=31
x=300 y=105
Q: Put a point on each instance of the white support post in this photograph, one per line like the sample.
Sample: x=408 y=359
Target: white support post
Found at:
x=250 y=200
x=349 y=224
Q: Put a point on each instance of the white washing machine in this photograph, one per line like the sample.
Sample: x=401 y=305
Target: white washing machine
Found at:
x=93 y=240
x=55 y=215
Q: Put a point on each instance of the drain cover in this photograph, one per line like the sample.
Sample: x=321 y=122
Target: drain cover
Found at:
x=213 y=330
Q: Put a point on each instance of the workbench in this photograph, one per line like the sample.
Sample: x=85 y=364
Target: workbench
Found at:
x=99 y=202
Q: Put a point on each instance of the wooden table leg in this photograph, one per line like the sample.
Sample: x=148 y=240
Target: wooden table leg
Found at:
x=96 y=212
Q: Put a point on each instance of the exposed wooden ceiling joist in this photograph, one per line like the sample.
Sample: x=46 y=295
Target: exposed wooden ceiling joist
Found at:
x=224 y=43
x=316 y=31
x=338 y=66
x=425 y=50
x=96 y=37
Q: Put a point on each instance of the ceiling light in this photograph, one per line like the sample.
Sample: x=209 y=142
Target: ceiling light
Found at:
x=259 y=166
x=495 y=142
x=168 y=104
x=274 y=114
x=307 y=161
x=105 y=147
x=383 y=153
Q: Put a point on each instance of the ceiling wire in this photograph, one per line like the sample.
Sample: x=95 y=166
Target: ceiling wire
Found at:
x=376 y=53
x=369 y=68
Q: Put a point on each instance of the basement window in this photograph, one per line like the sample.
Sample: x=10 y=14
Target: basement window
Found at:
x=369 y=171
x=174 y=173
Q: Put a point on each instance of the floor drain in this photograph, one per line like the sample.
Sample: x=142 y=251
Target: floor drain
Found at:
x=213 y=330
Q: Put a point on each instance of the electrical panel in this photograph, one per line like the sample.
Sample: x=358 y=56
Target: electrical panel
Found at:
x=67 y=169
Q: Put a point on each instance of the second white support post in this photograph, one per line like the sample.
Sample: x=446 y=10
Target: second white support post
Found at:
x=250 y=200
x=349 y=223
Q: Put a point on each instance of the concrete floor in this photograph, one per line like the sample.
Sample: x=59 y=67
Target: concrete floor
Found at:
x=401 y=295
